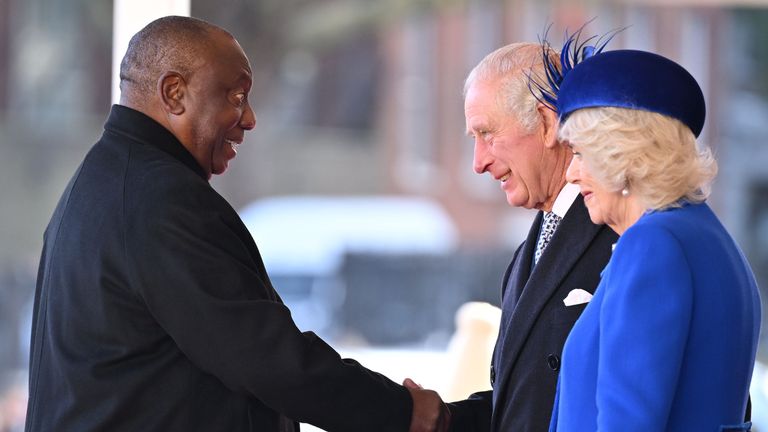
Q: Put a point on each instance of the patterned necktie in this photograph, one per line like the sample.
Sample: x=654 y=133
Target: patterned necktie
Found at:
x=551 y=220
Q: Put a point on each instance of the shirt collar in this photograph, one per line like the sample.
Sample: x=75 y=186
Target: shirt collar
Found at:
x=565 y=199
x=140 y=127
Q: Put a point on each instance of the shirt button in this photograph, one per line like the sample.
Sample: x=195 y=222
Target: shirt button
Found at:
x=553 y=361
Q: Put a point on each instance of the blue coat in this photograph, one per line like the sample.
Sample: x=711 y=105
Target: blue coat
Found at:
x=668 y=342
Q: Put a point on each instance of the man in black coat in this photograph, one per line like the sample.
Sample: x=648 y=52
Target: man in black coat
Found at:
x=153 y=310
x=556 y=269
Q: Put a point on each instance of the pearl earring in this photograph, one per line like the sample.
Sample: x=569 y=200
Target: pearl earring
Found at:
x=625 y=192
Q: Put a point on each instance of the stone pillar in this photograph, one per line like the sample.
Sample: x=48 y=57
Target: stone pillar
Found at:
x=129 y=17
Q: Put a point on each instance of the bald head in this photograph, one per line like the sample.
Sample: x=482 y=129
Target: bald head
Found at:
x=509 y=68
x=193 y=79
x=172 y=43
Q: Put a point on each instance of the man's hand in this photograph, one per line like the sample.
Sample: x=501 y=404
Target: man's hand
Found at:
x=430 y=414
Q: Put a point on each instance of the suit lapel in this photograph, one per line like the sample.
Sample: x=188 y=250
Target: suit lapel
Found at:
x=568 y=244
x=519 y=273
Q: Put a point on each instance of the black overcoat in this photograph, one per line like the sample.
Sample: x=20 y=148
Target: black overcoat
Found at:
x=153 y=311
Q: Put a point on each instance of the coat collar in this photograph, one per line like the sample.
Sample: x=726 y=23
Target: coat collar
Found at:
x=140 y=127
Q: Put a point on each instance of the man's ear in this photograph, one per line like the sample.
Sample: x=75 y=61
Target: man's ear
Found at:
x=549 y=125
x=172 y=87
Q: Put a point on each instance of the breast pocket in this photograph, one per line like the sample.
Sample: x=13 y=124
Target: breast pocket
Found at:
x=567 y=315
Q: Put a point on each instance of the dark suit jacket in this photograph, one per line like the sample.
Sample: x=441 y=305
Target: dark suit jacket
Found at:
x=535 y=323
x=153 y=311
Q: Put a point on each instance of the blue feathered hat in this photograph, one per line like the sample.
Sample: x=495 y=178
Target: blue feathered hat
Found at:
x=589 y=77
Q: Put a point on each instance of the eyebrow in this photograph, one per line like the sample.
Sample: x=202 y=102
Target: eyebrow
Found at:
x=245 y=80
x=470 y=131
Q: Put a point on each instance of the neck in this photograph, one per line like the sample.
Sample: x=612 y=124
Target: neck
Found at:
x=134 y=100
x=556 y=178
x=631 y=213
x=549 y=204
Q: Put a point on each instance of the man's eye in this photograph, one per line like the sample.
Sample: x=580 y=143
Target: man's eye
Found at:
x=239 y=99
x=480 y=134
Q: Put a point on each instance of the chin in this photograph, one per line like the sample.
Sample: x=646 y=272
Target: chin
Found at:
x=219 y=169
x=516 y=201
x=596 y=219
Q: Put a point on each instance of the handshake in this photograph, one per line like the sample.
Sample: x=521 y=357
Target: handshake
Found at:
x=430 y=413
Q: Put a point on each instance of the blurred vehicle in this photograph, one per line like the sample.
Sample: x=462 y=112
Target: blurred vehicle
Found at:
x=304 y=241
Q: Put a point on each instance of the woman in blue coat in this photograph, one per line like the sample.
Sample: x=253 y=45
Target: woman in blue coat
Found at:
x=668 y=342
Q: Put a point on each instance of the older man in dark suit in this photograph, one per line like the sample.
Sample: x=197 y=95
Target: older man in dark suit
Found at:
x=556 y=269
x=153 y=310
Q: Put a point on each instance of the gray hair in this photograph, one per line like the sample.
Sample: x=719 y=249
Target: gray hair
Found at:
x=513 y=65
x=655 y=156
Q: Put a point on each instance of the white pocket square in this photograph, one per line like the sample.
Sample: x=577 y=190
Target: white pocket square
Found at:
x=577 y=297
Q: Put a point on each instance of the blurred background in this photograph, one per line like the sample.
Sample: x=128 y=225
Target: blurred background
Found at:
x=357 y=183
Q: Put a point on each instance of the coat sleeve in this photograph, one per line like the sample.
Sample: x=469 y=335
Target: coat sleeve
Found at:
x=644 y=323
x=196 y=269
x=472 y=414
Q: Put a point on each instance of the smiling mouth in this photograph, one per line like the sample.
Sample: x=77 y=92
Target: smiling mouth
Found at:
x=505 y=177
x=233 y=144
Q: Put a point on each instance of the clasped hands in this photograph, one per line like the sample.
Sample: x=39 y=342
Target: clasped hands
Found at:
x=430 y=414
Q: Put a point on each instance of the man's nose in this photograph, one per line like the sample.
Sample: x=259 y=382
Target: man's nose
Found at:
x=248 y=120
x=481 y=157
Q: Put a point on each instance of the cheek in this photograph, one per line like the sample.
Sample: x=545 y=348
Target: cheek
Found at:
x=232 y=116
x=225 y=118
x=596 y=214
x=606 y=203
x=502 y=150
x=232 y=121
x=203 y=133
